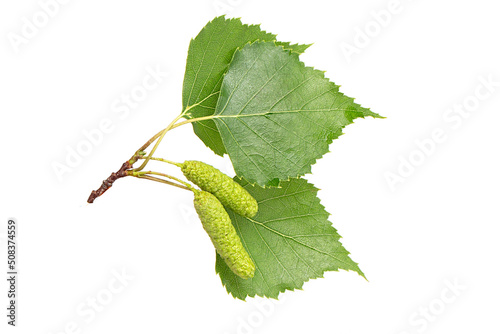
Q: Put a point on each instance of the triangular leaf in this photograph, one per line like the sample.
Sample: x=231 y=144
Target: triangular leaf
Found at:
x=208 y=58
x=276 y=116
x=290 y=240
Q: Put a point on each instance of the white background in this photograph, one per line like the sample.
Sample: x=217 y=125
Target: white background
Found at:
x=438 y=227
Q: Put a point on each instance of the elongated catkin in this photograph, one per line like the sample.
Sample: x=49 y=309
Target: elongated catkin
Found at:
x=219 y=227
x=230 y=193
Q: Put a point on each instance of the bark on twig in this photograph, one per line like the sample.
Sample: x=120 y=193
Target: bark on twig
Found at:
x=106 y=184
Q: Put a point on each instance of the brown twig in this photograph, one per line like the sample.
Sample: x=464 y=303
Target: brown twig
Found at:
x=106 y=184
x=122 y=172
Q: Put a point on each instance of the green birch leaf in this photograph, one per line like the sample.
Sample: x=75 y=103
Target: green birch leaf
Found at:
x=208 y=58
x=276 y=116
x=290 y=241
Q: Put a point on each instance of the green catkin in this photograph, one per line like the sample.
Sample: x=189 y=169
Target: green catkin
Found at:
x=218 y=226
x=230 y=193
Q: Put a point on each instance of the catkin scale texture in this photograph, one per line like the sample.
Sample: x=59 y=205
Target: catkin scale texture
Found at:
x=226 y=241
x=230 y=193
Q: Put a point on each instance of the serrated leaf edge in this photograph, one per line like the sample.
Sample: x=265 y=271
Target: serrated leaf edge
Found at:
x=328 y=141
x=321 y=275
